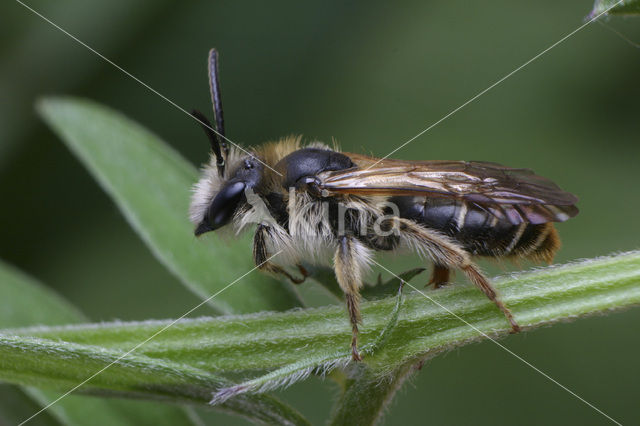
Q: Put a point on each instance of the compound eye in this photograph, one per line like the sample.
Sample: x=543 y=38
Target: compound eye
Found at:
x=222 y=207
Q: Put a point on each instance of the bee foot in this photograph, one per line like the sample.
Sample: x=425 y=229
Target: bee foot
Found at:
x=355 y=355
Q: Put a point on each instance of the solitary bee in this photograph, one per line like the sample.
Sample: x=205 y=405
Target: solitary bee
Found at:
x=313 y=203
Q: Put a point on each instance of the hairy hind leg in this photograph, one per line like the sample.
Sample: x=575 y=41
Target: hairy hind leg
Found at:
x=350 y=258
x=261 y=256
x=447 y=253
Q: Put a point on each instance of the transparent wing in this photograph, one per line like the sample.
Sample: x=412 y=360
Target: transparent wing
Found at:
x=516 y=192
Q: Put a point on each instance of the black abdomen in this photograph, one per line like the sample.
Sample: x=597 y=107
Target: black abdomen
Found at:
x=482 y=230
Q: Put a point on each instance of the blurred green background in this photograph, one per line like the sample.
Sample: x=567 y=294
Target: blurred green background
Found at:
x=372 y=76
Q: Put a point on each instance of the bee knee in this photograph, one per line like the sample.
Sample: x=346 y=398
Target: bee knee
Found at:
x=460 y=259
x=465 y=263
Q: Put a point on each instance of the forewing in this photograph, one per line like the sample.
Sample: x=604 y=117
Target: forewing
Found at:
x=519 y=194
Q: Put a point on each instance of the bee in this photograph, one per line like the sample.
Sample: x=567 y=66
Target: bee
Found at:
x=311 y=203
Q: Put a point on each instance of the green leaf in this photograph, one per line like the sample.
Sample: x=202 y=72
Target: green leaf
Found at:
x=62 y=366
x=76 y=409
x=365 y=396
x=244 y=345
x=626 y=7
x=26 y=302
x=15 y=406
x=151 y=185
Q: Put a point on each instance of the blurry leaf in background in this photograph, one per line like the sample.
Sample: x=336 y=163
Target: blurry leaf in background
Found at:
x=151 y=184
x=31 y=42
x=626 y=7
x=16 y=405
x=25 y=302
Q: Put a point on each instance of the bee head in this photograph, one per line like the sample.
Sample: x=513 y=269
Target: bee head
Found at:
x=229 y=198
x=221 y=191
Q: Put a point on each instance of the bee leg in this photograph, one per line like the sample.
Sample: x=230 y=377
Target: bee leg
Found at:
x=348 y=262
x=439 y=276
x=260 y=256
x=303 y=271
x=475 y=276
x=445 y=252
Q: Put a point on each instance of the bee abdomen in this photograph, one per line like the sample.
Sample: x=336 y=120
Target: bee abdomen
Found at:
x=495 y=231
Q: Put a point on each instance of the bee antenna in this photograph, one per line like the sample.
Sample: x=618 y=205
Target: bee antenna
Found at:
x=214 y=141
x=216 y=100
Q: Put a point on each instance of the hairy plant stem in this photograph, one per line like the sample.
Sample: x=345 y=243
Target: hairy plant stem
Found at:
x=366 y=395
x=315 y=340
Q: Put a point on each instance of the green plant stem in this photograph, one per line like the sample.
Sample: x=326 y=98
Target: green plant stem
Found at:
x=28 y=302
x=366 y=395
x=615 y=7
x=63 y=366
x=298 y=370
x=267 y=341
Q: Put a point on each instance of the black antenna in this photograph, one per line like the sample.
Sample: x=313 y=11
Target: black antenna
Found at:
x=215 y=134
x=214 y=140
x=216 y=100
